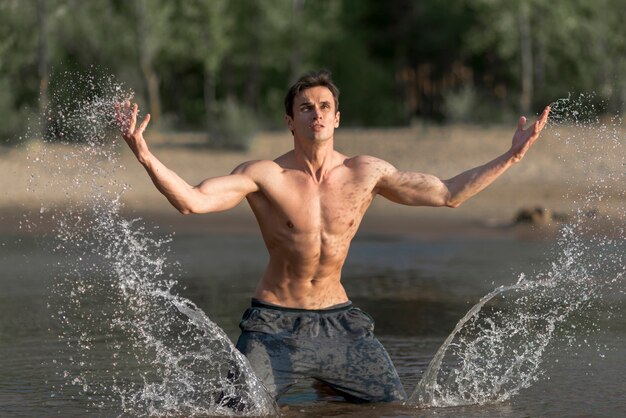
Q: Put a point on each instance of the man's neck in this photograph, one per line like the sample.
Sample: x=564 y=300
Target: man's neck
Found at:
x=315 y=158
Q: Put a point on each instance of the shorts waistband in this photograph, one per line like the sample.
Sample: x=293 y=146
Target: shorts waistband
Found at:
x=334 y=308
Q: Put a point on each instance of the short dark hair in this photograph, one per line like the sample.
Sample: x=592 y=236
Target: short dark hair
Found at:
x=307 y=81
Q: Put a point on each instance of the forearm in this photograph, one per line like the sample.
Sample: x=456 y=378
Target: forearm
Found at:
x=177 y=191
x=209 y=196
x=470 y=182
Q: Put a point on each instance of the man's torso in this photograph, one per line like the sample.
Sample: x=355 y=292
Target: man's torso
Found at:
x=308 y=225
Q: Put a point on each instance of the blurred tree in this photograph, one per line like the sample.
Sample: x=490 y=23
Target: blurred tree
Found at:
x=201 y=34
x=558 y=47
x=19 y=82
x=526 y=56
x=422 y=44
x=43 y=60
x=200 y=60
x=259 y=53
x=151 y=23
x=295 y=56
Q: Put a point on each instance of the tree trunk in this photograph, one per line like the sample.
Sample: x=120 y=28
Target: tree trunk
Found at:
x=209 y=83
x=151 y=78
x=526 y=55
x=253 y=77
x=295 y=57
x=252 y=85
x=540 y=71
x=42 y=63
x=227 y=77
x=209 y=101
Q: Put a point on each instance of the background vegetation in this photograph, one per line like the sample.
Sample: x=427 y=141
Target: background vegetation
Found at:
x=221 y=65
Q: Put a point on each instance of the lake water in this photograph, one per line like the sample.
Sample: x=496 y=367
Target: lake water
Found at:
x=415 y=288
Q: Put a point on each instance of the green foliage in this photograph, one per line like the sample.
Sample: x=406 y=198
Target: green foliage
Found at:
x=195 y=31
x=578 y=46
x=18 y=69
x=457 y=60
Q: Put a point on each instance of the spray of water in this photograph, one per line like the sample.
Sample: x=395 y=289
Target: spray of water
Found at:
x=499 y=347
x=130 y=341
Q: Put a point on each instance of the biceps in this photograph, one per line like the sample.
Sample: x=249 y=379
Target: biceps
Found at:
x=222 y=193
x=414 y=189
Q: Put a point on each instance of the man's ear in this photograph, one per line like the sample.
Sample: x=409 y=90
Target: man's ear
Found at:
x=289 y=122
x=337 y=117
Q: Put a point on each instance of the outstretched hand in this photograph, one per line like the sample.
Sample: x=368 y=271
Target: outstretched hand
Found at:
x=523 y=139
x=132 y=134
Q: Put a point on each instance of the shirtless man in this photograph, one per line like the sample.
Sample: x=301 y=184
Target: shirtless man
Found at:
x=309 y=203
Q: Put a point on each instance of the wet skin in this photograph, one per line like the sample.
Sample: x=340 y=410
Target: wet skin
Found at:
x=310 y=201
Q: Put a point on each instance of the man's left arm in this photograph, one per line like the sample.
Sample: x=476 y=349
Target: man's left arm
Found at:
x=418 y=189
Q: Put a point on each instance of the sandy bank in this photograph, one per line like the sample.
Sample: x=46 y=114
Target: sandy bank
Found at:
x=557 y=173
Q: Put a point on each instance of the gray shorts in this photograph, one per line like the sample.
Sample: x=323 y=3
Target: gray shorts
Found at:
x=335 y=346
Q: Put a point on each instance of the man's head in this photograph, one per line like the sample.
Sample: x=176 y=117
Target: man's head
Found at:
x=307 y=81
x=311 y=107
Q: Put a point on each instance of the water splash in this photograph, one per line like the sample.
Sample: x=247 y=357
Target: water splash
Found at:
x=130 y=341
x=499 y=347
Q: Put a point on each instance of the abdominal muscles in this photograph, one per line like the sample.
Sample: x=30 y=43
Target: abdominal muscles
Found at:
x=305 y=271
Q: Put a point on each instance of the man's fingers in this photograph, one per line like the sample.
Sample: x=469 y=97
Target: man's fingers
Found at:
x=543 y=119
x=143 y=124
x=126 y=111
x=133 y=118
x=520 y=124
x=118 y=117
x=121 y=117
x=127 y=119
x=544 y=115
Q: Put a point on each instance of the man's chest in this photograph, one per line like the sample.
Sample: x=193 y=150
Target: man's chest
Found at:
x=334 y=205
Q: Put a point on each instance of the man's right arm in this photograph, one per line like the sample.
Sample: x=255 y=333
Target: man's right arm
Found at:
x=211 y=195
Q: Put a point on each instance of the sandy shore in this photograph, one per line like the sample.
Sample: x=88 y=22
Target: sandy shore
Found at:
x=557 y=174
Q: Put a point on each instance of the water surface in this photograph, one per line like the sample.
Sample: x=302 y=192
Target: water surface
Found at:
x=415 y=288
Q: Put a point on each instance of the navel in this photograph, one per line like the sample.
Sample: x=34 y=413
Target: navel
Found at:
x=290 y=224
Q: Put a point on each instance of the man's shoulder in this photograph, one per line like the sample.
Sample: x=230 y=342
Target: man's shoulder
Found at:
x=255 y=167
x=367 y=162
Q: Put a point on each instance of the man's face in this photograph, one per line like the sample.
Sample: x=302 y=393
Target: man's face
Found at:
x=314 y=115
